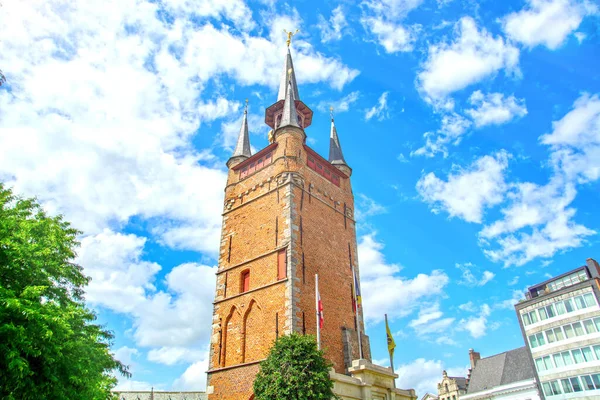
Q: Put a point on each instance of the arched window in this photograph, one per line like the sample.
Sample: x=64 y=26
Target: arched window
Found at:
x=245 y=281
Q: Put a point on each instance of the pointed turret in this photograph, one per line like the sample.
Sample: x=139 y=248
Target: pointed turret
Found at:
x=288 y=81
x=242 y=148
x=336 y=157
x=289 y=117
x=335 y=149
x=288 y=86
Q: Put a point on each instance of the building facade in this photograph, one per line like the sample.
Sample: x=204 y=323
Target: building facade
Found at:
x=288 y=215
x=505 y=376
x=560 y=321
x=451 y=387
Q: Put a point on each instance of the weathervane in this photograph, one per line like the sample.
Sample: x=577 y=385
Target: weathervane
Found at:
x=289 y=36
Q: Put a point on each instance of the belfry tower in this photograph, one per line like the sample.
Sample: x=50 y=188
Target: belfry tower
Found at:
x=288 y=215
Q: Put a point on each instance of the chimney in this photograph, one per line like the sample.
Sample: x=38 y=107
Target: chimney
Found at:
x=593 y=267
x=474 y=357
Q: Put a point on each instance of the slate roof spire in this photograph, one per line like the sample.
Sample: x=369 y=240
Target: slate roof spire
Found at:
x=335 y=148
x=242 y=147
x=290 y=115
x=288 y=81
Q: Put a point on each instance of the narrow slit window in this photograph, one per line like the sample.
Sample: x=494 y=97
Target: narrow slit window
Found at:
x=282 y=264
x=245 y=281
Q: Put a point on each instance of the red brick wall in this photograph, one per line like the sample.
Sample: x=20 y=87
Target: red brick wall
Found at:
x=268 y=211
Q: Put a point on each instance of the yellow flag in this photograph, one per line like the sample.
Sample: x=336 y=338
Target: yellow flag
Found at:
x=390 y=339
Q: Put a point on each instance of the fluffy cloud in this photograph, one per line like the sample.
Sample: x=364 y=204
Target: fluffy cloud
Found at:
x=469 y=278
x=392 y=36
x=423 y=375
x=163 y=320
x=367 y=207
x=383 y=19
x=467 y=193
x=547 y=22
x=539 y=219
x=454 y=126
x=430 y=321
x=477 y=326
x=473 y=55
x=384 y=291
x=332 y=30
x=380 y=110
x=340 y=105
x=194 y=377
x=494 y=108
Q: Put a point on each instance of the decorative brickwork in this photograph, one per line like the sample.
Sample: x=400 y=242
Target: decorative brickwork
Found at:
x=283 y=222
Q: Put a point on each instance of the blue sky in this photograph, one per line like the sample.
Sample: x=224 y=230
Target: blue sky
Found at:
x=472 y=127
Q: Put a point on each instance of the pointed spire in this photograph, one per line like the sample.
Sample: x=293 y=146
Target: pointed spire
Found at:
x=335 y=149
x=242 y=147
x=288 y=81
x=290 y=115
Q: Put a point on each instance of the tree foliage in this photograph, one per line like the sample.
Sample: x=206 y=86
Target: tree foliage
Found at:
x=295 y=370
x=49 y=346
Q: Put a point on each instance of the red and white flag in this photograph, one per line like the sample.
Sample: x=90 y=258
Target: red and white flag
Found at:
x=320 y=310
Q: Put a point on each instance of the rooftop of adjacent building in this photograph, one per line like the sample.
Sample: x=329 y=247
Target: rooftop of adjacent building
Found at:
x=501 y=369
x=584 y=273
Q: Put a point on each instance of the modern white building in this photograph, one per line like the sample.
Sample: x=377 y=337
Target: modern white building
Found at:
x=506 y=376
x=560 y=321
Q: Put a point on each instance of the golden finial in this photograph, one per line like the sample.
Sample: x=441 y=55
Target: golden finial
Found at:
x=289 y=36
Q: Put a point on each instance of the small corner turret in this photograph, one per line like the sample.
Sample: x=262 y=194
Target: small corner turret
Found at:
x=242 y=149
x=336 y=157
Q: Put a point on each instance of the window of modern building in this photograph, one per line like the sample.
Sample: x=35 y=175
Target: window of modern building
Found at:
x=559 y=308
x=245 y=281
x=568 y=280
x=572 y=384
x=536 y=340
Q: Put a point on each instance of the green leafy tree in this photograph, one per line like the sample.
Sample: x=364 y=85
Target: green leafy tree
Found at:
x=49 y=346
x=294 y=370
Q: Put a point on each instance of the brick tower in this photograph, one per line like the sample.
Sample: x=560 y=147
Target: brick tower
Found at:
x=288 y=215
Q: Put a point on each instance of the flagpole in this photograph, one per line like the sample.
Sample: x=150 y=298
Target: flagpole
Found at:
x=317 y=309
x=391 y=357
x=360 y=353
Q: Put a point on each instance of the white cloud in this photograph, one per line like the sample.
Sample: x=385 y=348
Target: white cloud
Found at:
x=467 y=193
x=514 y=281
x=423 y=375
x=473 y=55
x=332 y=30
x=469 y=279
x=547 y=22
x=509 y=304
x=494 y=108
x=174 y=355
x=194 y=377
x=121 y=280
x=430 y=321
x=383 y=19
x=477 y=326
x=379 y=110
x=384 y=291
x=394 y=37
x=367 y=207
x=133 y=385
x=469 y=306
x=454 y=126
x=340 y=105
x=163 y=320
